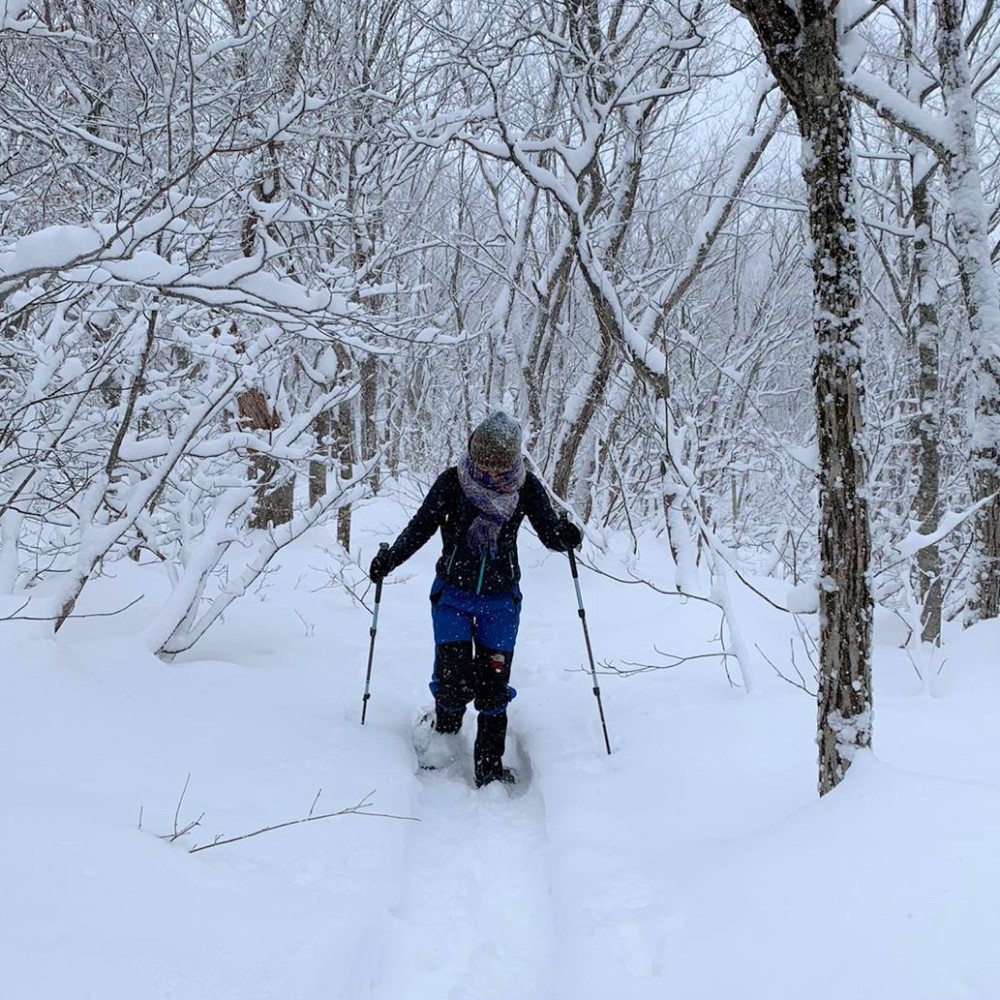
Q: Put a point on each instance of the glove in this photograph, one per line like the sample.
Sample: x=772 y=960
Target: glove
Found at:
x=381 y=566
x=570 y=536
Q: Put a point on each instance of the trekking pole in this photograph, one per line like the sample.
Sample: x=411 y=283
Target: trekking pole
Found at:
x=371 y=649
x=590 y=653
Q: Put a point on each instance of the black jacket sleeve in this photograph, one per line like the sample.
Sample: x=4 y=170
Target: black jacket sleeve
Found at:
x=424 y=523
x=539 y=510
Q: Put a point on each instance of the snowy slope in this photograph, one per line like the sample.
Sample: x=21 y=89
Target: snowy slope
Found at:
x=695 y=862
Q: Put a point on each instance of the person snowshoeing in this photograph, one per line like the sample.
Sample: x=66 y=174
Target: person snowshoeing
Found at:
x=478 y=506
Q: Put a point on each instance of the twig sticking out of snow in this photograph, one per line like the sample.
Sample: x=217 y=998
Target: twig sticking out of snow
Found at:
x=178 y=833
x=361 y=808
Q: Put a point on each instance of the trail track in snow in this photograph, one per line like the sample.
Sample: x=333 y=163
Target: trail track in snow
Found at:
x=473 y=920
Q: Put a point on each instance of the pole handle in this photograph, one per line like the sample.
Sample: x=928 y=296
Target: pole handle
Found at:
x=382 y=547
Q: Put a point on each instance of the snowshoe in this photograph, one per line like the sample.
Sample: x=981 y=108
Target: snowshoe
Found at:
x=435 y=750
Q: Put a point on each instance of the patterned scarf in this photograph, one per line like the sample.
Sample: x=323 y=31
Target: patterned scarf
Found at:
x=495 y=500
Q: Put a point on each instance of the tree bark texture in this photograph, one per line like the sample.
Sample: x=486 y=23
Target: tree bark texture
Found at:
x=318 y=467
x=981 y=288
x=345 y=447
x=927 y=424
x=596 y=390
x=926 y=342
x=803 y=50
x=275 y=489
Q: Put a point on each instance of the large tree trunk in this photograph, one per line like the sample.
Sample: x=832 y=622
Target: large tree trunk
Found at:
x=981 y=289
x=803 y=50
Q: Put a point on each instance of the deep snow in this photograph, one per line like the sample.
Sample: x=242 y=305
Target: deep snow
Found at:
x=696 y=862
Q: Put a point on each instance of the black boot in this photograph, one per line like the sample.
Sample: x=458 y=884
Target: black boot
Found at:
x=491 y=736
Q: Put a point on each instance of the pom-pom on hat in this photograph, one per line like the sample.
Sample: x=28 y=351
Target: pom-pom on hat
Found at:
x=496 y=442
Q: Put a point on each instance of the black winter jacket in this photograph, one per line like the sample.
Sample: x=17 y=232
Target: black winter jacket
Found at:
x=447 y=507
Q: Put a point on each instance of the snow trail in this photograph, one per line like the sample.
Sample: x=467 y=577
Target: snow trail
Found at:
x=473 y=920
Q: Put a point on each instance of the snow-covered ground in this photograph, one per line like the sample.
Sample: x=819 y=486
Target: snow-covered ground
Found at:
x=695 y=862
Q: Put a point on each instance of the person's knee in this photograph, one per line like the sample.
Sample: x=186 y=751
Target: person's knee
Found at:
x=493 y=691
x=493 y=664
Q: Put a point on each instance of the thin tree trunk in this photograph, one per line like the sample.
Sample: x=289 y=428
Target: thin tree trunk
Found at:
x=346 y=450
x=592 y=399
x=926 y=506
x=369 y=408
x=318 y=467
x=927 y=501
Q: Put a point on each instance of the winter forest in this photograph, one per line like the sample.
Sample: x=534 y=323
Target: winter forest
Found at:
x=735 y=267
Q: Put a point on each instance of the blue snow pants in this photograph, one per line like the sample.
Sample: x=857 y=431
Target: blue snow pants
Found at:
x=474 y=636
